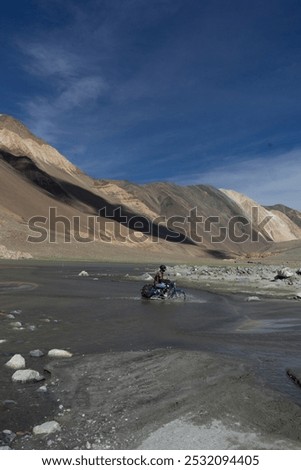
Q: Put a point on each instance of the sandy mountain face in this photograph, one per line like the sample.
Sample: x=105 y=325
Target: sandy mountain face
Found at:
x=79 y=217
x=18 y=140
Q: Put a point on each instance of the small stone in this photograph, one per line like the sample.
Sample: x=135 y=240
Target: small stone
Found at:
x=42 y=389
x=36 y=353
x=31 y=327
x=16 y=362
x=83 y=274
x=47 y=428
x=11 y=316
x=59 y=353
x=9 y=403
x=16 y=324
x=16 y=312
x=8 y=436
x=252 y=298
x=2 y=341
x=27 y=376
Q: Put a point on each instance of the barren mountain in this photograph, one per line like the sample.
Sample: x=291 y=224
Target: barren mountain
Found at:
x=280 y=227
x=49 y=208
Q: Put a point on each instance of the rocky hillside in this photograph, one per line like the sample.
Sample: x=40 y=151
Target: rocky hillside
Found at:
x=76 y=216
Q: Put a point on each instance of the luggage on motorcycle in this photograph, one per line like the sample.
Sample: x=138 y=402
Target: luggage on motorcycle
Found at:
x=147 y=291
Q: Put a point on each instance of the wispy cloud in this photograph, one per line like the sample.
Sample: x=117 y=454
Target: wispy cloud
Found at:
x=266 y=180
x=49 y=60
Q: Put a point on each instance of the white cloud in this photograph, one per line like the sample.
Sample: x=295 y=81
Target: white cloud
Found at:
x=268 y=181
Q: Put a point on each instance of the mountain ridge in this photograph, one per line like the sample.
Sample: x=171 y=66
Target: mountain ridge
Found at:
x=179 y=221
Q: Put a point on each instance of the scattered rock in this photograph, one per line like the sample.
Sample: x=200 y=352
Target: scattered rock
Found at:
x=252 y=298
x=16 y=362
x=16 y=324
x=298 y=271
x=3 y=341
x=42 y=389
x=31 y=327
x=297 y=296
x=84 y=274
x=47 y=428
x=59 y=353
x=36 y=353
x=6 y=438
x=27 y=376
x=284 y=273
x=16 y=312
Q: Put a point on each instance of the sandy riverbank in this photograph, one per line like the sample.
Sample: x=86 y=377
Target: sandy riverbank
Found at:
x=166 y=399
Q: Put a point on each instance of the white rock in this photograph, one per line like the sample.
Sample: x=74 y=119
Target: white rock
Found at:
x=252 y=298
x=84 y=273
x=298 y=295
x=3 y=341
x=16 y=362
x=16 y=312
x=46 y=428
x=59 y=353
x=42 y=389
x=16 y=324
x=27 y=375
x=31 y=327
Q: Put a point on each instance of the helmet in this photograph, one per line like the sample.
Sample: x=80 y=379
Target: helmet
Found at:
x=162 y=267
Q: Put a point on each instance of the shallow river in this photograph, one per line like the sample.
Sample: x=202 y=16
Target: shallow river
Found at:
x=104 y=312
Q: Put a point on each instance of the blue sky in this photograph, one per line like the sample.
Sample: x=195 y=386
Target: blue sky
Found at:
x=189 y=91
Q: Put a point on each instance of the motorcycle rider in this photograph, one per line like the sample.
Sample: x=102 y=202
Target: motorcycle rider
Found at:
x=159 y=281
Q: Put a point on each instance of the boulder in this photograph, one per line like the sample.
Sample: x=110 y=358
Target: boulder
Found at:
x=47 y=428
x=284 y=273
x=16 y=362
x=59 y=353
x=27 y=376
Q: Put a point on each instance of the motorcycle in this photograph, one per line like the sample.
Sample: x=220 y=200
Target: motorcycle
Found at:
x=149 y=291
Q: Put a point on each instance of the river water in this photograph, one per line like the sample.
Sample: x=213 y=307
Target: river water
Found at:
x=104 y=313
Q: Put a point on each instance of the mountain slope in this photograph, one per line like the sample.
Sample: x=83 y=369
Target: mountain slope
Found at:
x=280 y=227
x=106 y=219
x=292 y=214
